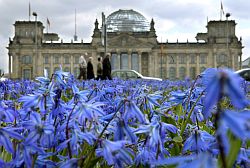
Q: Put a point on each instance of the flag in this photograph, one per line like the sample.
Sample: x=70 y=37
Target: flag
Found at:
x=103 y=29
x=221 y=8
x=48 y=22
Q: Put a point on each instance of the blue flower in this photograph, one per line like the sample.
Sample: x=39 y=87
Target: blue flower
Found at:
x=25 y=153
x=197 y=114
x=243 y=157
x=145 y=156
x=132 y=111
x=199 y=141
x=204 y=160
x=60 y=76
x=111 y=150
x=6 y=113
x=156 y=132
x=79 y=95
x=219 y=83
x=5 y=138
x=90 y=110
x=237 y=122
x=177 y=97
x=121 y=129
x=37 y=128
x=70 y=163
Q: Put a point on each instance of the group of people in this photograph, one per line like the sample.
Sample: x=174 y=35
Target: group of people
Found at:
x=87 y=68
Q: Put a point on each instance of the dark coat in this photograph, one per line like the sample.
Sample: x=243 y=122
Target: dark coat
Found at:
x=90 y=71
x=106 y=68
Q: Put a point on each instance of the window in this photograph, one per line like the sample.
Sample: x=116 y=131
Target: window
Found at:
x=26 y=59
x=76 y=72
x=46 y=59
x=182 y=72
x=221 y=59
x=203 y=58
x=162 y=59
x=192 y=72
x=131 y=75
x=124 y=61
x=182 y=59
x=192 y=59
x=172 y=73
x=56 y=59
x=114 y=61
x=135 y=61
x=26 y=73
x=162 y=72
x=67 y=59
x=172 y=59
x=77 y=59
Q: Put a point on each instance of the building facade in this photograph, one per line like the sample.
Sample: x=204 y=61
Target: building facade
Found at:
x=131 y=41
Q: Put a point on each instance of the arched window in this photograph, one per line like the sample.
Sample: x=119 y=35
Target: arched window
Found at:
x=182 y=72
x=172 y=73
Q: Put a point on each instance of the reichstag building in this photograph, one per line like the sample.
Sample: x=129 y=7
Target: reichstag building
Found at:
x=131 y=41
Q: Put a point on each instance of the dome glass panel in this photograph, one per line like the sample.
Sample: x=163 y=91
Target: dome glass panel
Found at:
x=127 y=21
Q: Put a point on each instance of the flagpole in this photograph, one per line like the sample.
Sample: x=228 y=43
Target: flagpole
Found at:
x=29 y=11
x=47 y=27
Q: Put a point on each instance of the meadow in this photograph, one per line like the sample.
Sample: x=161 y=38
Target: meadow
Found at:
x=58 y=121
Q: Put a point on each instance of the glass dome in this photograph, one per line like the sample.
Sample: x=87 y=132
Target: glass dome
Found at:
x=127 y=21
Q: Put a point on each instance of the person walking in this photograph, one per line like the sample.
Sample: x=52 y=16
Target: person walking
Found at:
x=90 y=69
x=106 y=65
x=99 y=69
x=83 y=67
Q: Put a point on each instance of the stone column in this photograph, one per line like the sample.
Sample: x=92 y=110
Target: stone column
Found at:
x=187 y=65
x=139 y=60
x=197 y=63
x=51 y=64
x=129 y=59
x=10 y=66
x=16 y=70
x=232 y=55
x=177 y=66
x=71 y=59
x=118 y=64
x=215 y=62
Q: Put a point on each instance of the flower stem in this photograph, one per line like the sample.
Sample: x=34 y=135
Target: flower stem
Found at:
x=67 y=131
x=86 y=162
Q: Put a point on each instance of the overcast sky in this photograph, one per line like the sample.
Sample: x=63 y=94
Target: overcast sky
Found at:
x=174 y=19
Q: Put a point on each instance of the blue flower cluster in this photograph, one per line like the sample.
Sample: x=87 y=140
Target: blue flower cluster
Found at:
x=61 y=122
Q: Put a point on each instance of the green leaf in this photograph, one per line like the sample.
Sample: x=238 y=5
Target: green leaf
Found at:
x=179 y=110
x=234 y=150
x=178 y=139
x=94 y=162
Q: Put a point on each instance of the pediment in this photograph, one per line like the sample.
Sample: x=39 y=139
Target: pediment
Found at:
x=127 y=40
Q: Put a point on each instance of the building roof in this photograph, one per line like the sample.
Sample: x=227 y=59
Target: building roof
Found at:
x=127 y=21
